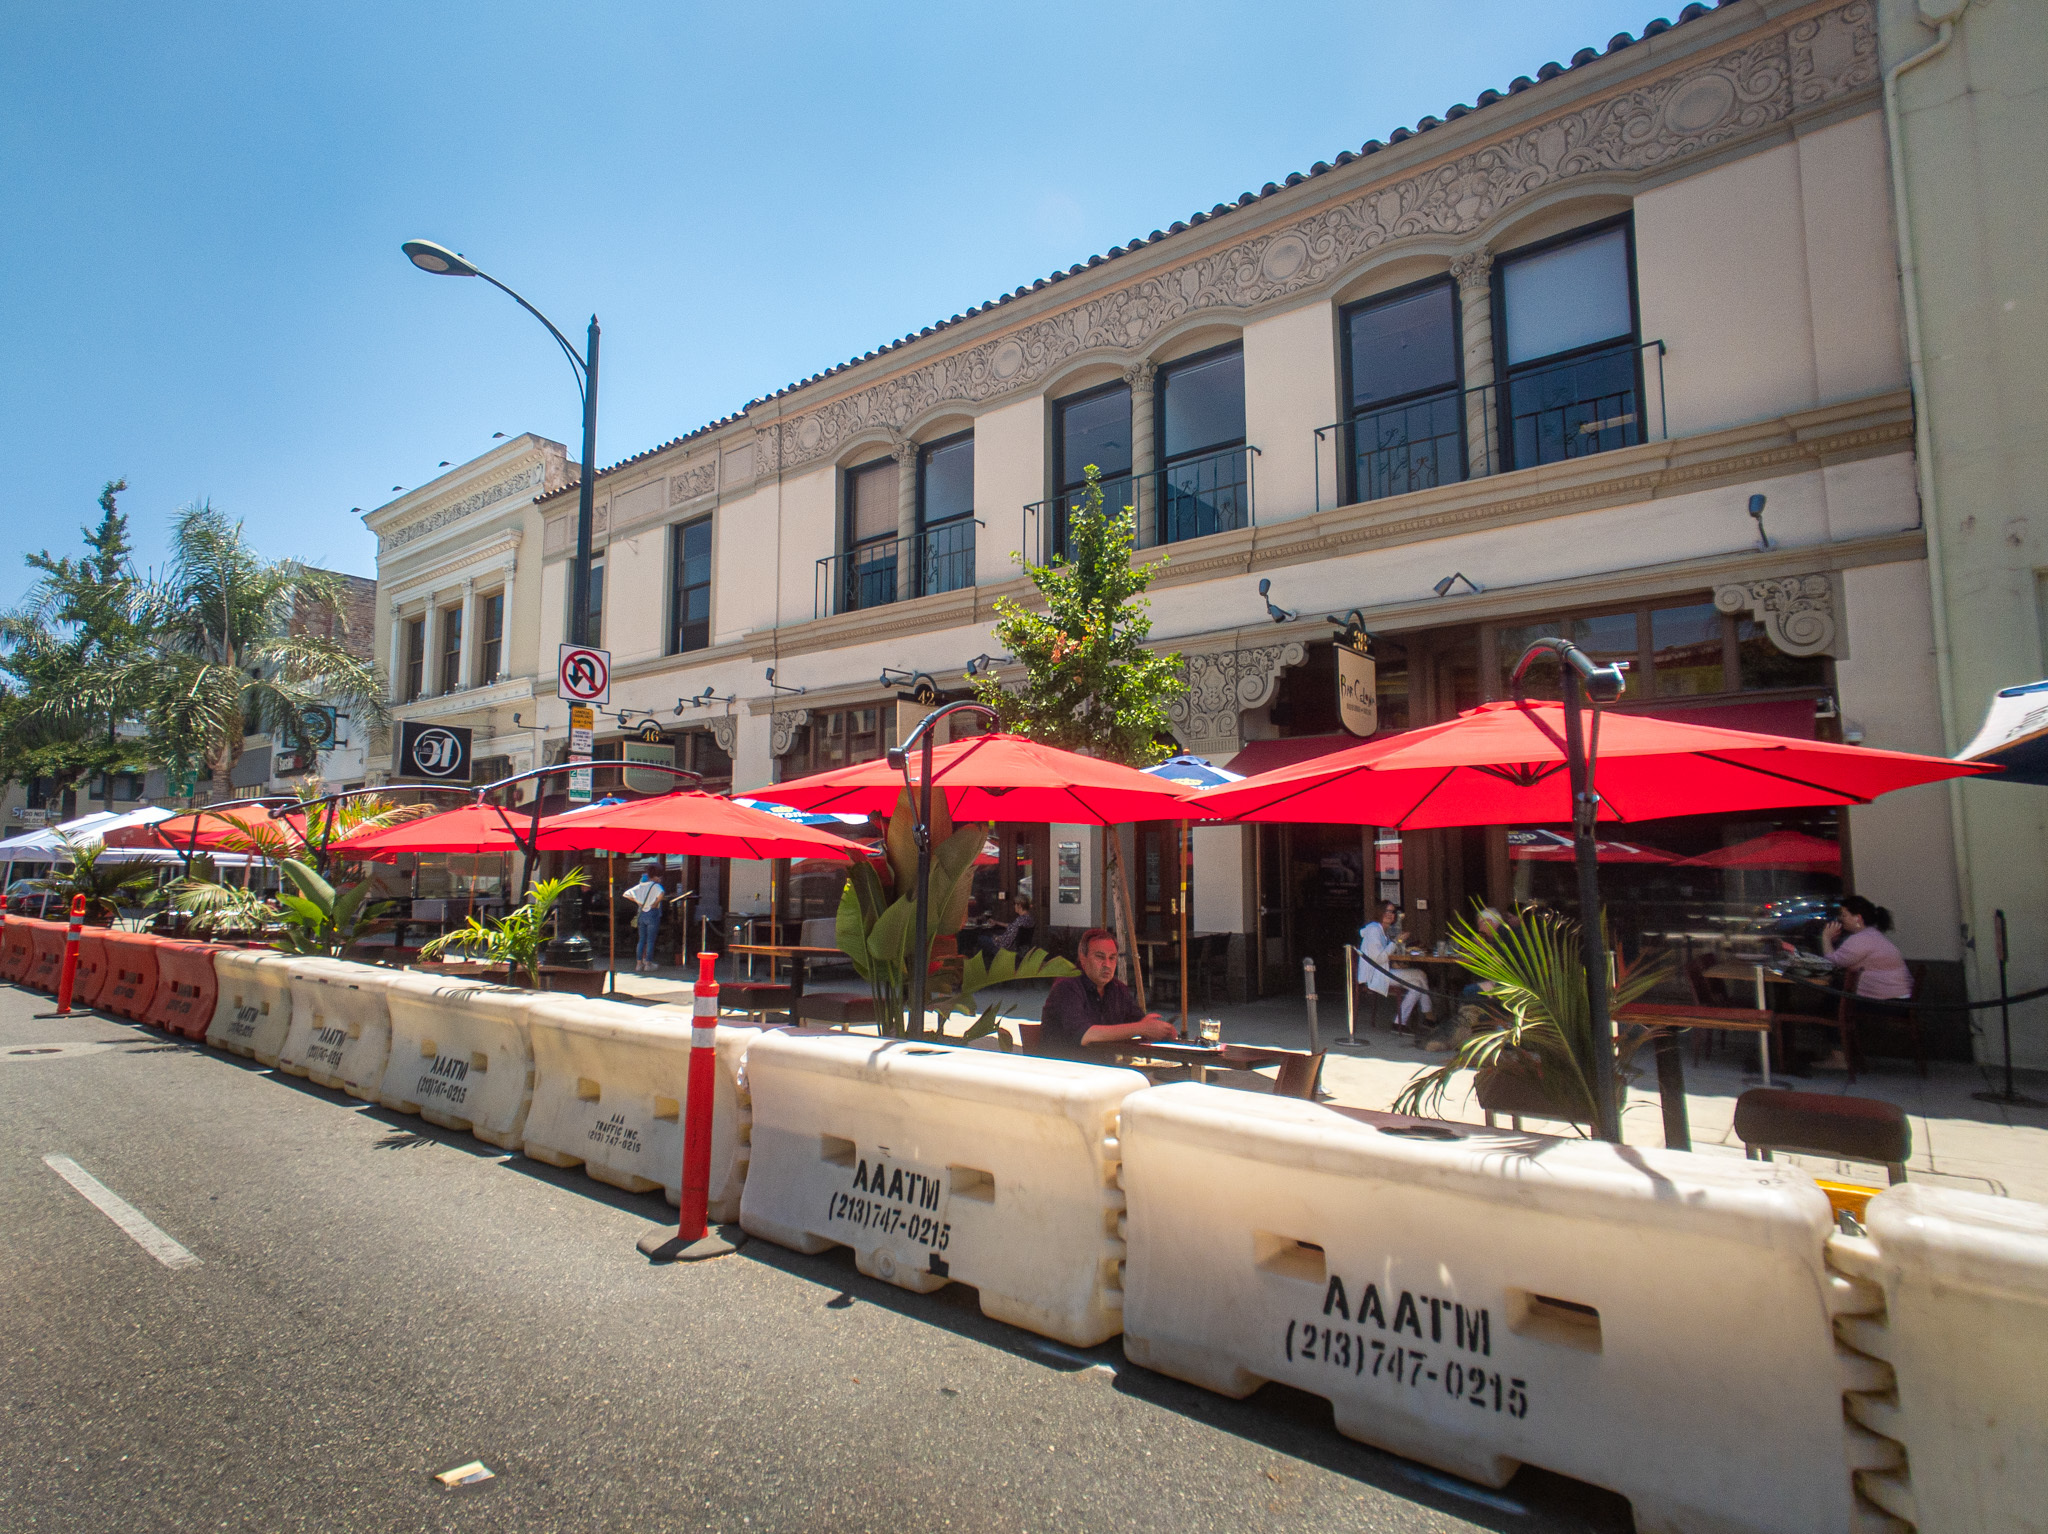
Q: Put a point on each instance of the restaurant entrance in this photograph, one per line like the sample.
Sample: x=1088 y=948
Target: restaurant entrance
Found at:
x=1312 y=894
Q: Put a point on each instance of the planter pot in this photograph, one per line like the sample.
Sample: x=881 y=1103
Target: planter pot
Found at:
x=553 y=977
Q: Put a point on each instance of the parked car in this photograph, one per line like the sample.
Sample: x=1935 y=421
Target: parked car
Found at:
x=25 y=899
x=1798 y=920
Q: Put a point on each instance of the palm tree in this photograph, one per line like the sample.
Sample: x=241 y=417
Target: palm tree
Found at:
x=105 y=889
x=230 y=653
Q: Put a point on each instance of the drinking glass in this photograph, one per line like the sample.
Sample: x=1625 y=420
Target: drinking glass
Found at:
x=1211 y=1030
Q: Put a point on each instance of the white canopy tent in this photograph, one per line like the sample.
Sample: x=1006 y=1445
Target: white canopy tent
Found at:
x=53 y=844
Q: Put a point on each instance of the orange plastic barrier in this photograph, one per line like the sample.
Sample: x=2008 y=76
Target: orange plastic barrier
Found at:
x=18 y=948
x=186 y=989
x=95 y=964
x=48 y=962
x=130 y=988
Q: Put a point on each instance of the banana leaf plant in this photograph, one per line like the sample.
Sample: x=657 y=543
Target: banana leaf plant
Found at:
x=877 y=927
x=1535 y=975
x=515 y=939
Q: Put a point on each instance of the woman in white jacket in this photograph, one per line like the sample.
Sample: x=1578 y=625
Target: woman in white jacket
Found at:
x=1377 y=943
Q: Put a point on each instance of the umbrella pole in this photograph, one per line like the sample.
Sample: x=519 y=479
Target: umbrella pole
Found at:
x=1606 y=1118
x=611 y=905
x=1186 y=858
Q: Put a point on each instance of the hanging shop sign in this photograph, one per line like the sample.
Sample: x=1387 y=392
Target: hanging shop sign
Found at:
x=1358 y=695
x=656 y=755
x=436 y=751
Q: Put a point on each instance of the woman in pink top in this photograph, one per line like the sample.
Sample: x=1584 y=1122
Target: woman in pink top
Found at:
x=1855 y=941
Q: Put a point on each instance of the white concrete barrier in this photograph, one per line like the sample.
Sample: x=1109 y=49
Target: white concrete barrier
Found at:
x=460 y=1055
x=252 y=1009
x=610 y=1081
x=936 y=1163
x=1960 y=1313
x=1655 y=1322
x=340 y=1034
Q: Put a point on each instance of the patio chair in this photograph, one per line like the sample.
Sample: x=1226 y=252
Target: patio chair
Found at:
x=1848 y=1013
x=1209 y=967
x=1706 y=992
x=1822 y=1124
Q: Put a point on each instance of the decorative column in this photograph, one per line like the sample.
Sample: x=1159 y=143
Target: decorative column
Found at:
x=907 y=563
x=466 y=664
x=506 y=667
x=1142 y=377
x=1474 y=272
x=397 y=677
x=430 y=647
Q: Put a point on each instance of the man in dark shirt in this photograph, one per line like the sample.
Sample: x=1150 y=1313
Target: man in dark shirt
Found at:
x=1095 y=1007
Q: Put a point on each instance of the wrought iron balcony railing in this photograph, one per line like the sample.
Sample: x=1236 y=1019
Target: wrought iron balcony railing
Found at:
x=896 y=569
x=1188 y=499
x=1591 y=403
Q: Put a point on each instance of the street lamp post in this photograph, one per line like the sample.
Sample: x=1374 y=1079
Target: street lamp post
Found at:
x=571 y=946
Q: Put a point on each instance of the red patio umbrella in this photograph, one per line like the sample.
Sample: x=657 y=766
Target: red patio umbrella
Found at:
x=473 y=828
x=1504 y=764
x=691 y=822
x=1001 y=777
x=1549 y=847
x=1794 y=850
x=207 y=830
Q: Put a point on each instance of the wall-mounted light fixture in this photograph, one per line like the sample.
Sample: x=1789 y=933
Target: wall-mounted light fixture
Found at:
x=981 y=668
x=783 y=686
x=705 y=699
x=1443 y=587
x=1274 y=610
x=1756 y=513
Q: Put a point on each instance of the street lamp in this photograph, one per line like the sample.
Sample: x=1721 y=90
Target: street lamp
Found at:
x=443 y=262
x=570 y=945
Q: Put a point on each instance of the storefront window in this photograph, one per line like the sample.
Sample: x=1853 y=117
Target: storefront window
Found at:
x=1763 y=664
x=1687 y=652
x=1692 y=650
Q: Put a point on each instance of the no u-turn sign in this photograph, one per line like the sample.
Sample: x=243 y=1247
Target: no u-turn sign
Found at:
x=584 y=675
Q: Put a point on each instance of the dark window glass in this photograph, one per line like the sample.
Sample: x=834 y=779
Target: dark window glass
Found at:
x=1763 y=664
x=451 y=649
x=1094 y=429
x=596 y=606
x=691 y=597
x=1403 y=345
x=1567 y=297
x=493 y=638
x=415 y=658
x=1686 y=650
x=1201 y=404
x=1570 y=345
x=946 y=485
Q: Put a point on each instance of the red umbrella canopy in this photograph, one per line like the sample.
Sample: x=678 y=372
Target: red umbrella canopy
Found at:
x=474 y=828
x=1504 y=764
x=1001 y=777
x=205 y=830
x=691 y=822
x=1777 y=849
x=1549 y=847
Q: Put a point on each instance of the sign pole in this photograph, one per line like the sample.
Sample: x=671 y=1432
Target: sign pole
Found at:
x=694 y=1240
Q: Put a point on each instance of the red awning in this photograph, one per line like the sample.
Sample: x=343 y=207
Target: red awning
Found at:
x=1265 y=755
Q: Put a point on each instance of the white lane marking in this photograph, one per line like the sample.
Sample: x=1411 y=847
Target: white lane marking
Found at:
x=132 y=1221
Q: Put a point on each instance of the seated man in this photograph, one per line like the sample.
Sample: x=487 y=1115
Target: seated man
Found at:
x=1094 y=1007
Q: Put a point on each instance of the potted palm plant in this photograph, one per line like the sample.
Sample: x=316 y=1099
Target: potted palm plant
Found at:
x=1538 y=1044
x=106 y=888
x=510 y=945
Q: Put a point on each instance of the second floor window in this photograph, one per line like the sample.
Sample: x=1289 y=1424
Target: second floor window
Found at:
x=596 y=635
x=1567 y=314
x=1204 y=481
x=1405 y=426
x=415 y=659
x=945 y=514
x=492 y=612
x=690 y=601
x=451 y=649
x=872 y=497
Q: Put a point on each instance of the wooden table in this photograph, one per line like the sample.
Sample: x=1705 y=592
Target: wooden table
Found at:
x=1762 y=978
x=798 y=955
x=1298 y=1068
x=1670 y=1016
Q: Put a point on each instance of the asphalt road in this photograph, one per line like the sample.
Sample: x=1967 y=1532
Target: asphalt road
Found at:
x=375 y=1301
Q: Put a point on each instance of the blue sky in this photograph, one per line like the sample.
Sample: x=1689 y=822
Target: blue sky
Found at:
x=200 y=283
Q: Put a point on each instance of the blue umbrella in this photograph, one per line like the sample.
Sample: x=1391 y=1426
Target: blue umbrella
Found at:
x=2015 y=735
x=1193 y=772
x=802 y=817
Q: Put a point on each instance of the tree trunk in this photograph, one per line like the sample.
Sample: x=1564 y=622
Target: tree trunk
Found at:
x=1120 y=893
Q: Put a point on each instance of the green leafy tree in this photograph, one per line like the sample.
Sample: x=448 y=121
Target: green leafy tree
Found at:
x=228 y=655
x=515 y=939
x=64 y=657
x=1536 y=972
x=877 y=928
x=1090 y=684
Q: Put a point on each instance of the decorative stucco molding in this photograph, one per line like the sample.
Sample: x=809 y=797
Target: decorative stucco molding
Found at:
x=725 y=729
x=1222 y=683
x=1797 y=611
x=691 y=483
x=782 y=728
x=528 y=478
x=1734 y=95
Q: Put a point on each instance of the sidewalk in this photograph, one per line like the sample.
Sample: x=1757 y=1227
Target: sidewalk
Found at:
x=1957 y=1141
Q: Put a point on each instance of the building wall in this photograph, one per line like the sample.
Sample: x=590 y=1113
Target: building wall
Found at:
x=1974 y=141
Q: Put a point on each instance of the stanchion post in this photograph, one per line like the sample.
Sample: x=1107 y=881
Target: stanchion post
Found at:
x=69 y=978
x=1308 y=990
x=1350 y=996
x=694 y=1240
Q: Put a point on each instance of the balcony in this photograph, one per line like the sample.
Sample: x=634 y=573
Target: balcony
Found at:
x=896 y=569
x=1577 y=406
x=1189 y=499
